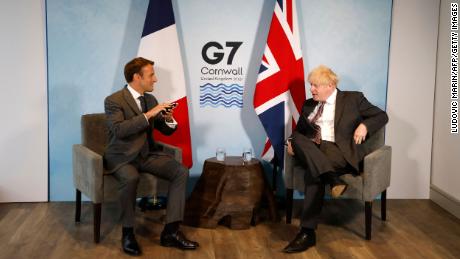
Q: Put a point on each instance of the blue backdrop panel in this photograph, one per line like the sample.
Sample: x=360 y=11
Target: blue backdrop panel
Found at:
x=90 y=41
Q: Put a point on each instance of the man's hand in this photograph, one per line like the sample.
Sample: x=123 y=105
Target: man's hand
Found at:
x=360 y=134
x=168 y=113
x=168 y=116
x=157 y=109
x=289 y=149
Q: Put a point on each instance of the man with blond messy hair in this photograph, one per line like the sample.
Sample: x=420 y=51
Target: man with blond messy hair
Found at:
x=327 y=143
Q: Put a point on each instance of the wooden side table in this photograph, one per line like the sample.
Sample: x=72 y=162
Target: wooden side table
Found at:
x=228 y=190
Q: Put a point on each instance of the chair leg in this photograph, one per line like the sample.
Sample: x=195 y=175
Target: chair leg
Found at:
x=368 y=219
x=289 y=202
x=97 y=221
x=77 y=205
x=383 y=206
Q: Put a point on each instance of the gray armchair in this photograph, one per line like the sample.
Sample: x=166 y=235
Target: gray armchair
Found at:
x=372 y=181
x=90 y=177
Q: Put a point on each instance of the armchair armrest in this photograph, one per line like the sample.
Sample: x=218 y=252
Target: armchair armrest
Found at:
x=377 y=172
x=88 y=172
x=176 y=152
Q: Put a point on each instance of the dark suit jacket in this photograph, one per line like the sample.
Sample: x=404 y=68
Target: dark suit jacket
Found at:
x=128 y=128
x=351 y=109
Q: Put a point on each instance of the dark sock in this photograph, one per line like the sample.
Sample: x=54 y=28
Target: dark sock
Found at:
x=327 y=177
x=308 y=231
x=127 y=231
x=172 y=227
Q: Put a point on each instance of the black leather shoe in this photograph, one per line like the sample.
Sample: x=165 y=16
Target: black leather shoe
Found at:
x=130 y=245
x=301 y=242
x=178 y=240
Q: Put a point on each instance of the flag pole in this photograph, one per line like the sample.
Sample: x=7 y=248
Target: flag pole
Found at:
x=275 y=173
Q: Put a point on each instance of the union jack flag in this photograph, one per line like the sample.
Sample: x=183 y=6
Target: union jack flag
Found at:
x=280 y=88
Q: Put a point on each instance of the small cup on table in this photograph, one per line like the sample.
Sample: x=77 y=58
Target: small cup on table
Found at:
x=247 y=155
x=220 y=154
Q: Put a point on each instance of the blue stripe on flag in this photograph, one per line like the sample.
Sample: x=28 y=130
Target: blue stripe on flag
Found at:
x=159 y=15
x=262 y=68
x=280 y=2
x=273 y=121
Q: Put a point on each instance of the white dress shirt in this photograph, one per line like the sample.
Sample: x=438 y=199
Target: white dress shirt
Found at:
x=326 y=121
x=136 y=95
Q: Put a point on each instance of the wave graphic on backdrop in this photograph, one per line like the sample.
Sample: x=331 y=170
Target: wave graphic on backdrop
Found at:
x=221 y=95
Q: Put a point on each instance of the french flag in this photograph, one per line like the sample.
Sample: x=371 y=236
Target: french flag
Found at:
x=160 y=44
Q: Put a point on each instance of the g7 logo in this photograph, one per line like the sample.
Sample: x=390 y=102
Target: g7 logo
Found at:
x=219 y=55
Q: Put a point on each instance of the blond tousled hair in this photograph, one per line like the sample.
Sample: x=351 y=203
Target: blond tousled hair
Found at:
x=323 y=75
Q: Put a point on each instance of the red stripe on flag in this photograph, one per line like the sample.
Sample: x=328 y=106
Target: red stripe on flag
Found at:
x=264 y=59
x=181 y=137
x=289 y=14
x=266 y=147
x=279 y=44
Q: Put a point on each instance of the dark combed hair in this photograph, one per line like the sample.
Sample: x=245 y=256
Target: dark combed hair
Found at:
x=135 y=66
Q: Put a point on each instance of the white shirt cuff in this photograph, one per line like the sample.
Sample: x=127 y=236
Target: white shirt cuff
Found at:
x=172 y=124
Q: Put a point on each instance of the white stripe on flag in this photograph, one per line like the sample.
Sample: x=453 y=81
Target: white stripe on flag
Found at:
x=283 y=97
x=162 y=47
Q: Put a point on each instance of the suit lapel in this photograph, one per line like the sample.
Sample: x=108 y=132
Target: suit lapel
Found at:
x=310 y=107
x=339 y=105
x=130 y=100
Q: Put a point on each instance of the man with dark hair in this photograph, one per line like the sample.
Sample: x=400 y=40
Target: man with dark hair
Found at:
x=327 y=142
x=131 y=116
